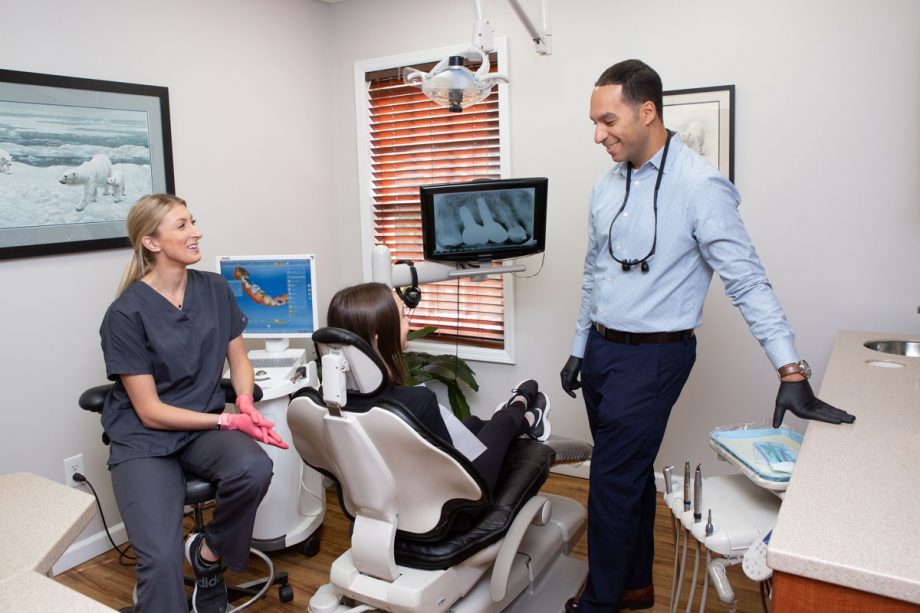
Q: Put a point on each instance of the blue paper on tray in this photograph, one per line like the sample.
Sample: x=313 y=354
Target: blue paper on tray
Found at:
x=766 y=454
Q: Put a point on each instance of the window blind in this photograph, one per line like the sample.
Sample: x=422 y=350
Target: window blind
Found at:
x=416 y=142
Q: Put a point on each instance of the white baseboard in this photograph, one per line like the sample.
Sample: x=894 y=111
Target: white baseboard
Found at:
x=581 y=470
x=88 y=548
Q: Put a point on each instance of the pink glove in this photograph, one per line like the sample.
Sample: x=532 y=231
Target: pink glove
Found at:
x=243 y=423
x=244 y=404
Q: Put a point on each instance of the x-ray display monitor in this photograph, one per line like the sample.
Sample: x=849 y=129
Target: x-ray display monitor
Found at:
x=484 y=220
x=276 y=292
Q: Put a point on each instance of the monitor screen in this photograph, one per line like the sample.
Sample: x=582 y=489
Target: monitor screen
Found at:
x=276 y=292
x=483 y=220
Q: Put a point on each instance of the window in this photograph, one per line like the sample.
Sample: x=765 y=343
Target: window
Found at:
x=404 y=141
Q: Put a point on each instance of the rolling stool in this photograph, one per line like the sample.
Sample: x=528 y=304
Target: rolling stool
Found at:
x=198 y=492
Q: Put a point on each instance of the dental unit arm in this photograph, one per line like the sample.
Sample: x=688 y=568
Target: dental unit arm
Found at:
x=399 y=275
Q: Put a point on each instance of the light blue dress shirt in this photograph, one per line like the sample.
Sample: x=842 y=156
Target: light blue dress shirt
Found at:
x=699 y=231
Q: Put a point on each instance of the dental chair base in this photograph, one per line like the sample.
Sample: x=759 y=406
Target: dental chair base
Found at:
x=530 y=566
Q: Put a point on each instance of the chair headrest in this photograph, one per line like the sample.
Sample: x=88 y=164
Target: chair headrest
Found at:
x=366 y=373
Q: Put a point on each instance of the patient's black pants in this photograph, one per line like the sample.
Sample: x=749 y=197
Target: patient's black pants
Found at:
x=496 y=434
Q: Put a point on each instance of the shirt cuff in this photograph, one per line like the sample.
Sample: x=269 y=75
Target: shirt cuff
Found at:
x=781 y=351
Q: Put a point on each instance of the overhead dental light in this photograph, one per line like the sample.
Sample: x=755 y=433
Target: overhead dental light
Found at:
x=451 y=84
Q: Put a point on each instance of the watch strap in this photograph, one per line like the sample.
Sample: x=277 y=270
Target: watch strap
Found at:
x=796 y=368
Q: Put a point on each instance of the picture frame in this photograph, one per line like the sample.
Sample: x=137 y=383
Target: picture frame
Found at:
x=705 y=119
x=75 y=154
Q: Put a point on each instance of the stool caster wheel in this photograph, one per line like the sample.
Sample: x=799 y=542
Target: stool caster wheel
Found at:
x=286 y=593
x=309 y=547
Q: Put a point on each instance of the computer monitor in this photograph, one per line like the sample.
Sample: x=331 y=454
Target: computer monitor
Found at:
x=483 y=220
x=277 y=293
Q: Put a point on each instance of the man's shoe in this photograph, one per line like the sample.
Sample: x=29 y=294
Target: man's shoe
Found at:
x=210 y=594
x=634 y=600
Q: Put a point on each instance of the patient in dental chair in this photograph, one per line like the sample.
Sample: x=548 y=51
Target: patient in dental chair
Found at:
x=375 y=313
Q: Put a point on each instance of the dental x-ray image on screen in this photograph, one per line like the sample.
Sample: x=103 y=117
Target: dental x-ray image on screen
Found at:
x=484 y=220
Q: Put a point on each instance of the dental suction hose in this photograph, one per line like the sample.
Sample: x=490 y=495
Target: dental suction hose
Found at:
x=720 y=583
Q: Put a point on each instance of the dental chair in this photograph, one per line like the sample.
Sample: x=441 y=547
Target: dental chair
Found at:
x=427 y=535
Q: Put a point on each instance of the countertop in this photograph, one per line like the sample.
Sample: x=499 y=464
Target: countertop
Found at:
x=40 y=519
x=851 y=514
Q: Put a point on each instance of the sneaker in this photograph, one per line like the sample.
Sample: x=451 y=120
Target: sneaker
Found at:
x=527 y=389
x=540 y=410
x=210 y=595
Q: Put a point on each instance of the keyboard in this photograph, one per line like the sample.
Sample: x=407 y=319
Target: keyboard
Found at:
x=274 y=362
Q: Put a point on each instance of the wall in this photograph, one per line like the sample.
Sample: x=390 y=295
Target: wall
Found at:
x=825 y=159
x=251 y=143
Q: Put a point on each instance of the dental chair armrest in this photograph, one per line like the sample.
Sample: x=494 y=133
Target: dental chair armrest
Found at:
x=537 y=510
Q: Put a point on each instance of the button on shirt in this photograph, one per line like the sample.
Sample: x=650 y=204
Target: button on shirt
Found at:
x=183 y=349
x=699 y=230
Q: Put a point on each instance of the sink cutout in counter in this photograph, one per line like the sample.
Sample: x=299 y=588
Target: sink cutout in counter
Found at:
x=884 y=364
x=910 y=349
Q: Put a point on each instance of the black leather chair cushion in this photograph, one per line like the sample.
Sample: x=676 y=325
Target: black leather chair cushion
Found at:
x=197 y=490
x=524 y=471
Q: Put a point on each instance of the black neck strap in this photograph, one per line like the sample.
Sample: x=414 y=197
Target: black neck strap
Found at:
x=643 y=263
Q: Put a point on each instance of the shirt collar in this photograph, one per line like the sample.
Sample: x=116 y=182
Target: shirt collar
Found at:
x=655 y=162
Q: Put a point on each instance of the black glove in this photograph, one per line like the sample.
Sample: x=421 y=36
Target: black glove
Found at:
x=569 y=375
x=796 y=396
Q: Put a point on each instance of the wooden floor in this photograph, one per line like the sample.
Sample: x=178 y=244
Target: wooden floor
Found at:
x=105 y=580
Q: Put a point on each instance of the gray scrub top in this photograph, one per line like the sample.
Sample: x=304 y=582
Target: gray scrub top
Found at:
x=183 y=349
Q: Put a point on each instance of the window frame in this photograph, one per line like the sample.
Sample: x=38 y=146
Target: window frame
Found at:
x=506 y=355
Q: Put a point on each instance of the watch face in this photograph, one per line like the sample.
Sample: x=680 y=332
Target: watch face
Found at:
x=805 y=369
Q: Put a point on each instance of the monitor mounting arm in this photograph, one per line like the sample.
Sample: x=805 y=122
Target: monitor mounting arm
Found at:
x=384 y=271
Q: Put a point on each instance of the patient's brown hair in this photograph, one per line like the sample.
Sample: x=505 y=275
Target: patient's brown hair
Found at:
x=369 y=311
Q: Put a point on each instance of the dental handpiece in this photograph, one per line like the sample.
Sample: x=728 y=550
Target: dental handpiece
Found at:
x=686 y=486
x=668 y=473
x=697 y=495
x=709 y=528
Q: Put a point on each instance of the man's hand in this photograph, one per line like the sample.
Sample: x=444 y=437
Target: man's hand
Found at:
x=797 y=397
x=569 y=375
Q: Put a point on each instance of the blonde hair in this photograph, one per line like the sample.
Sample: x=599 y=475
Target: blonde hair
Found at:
x=143 y=220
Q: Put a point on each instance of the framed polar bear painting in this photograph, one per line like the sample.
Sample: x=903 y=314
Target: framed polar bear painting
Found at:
x=74 y=155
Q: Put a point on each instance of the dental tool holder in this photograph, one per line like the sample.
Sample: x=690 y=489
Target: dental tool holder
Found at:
x=742 y=513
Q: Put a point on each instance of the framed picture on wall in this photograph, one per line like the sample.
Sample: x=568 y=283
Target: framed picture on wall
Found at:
x=705 y=119
x=75 y=154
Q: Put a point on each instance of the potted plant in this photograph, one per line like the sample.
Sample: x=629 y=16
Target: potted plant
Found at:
x=449 y=369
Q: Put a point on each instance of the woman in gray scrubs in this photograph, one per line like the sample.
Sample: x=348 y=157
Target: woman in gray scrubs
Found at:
x=165 y=339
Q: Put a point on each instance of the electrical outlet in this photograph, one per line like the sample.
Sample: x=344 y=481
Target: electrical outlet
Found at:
x=73 y=464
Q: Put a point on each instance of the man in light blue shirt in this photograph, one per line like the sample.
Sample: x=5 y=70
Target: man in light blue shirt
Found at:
x=660 y=222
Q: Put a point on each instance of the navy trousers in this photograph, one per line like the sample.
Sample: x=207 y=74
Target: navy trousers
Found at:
x=151 y=491
x=629 y=391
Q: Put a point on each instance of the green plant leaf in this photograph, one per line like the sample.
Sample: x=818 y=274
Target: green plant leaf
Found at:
x=420 y=333
x=458 y=404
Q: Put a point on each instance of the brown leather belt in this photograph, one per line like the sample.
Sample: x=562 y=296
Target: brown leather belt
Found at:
x=636 y=338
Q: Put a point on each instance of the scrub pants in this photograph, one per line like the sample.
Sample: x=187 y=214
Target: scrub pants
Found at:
x=151 y=493
x=629 y=391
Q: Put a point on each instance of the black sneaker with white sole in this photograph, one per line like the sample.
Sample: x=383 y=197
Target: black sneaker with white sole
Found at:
x=540 y=410
x=210 y=594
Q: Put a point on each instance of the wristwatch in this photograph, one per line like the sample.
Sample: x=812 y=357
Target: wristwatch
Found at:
x=798 y=368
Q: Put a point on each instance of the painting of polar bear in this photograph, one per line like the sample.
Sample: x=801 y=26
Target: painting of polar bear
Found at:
x=91 y=175
x=6 y=162
x=115 y=185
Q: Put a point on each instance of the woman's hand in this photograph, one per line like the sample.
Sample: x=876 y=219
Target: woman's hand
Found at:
x=245 y=405
x=244 y=423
